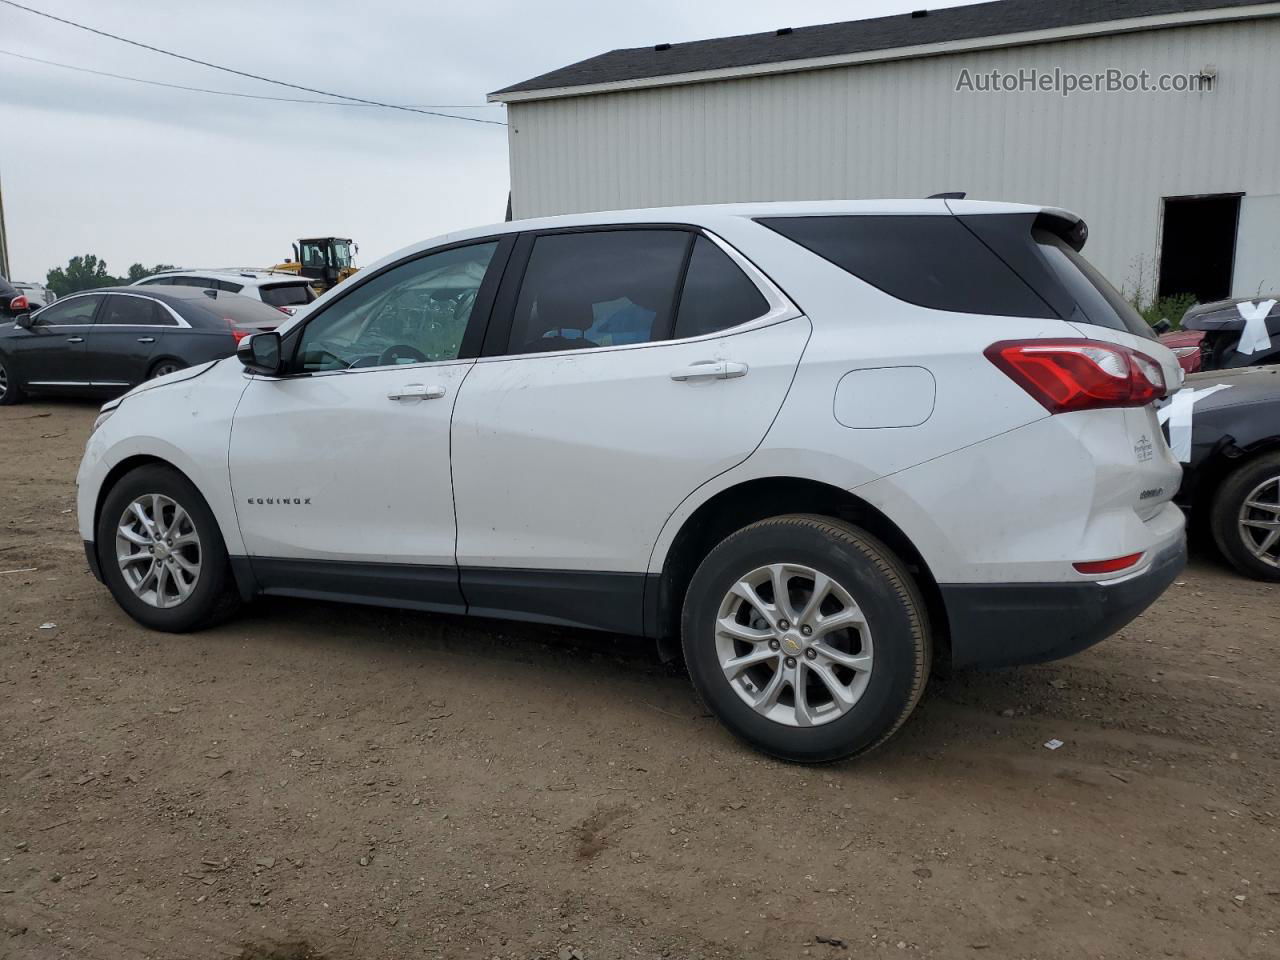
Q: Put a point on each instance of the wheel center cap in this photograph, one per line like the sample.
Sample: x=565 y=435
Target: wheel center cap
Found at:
x=792 y=646
x=162 y=551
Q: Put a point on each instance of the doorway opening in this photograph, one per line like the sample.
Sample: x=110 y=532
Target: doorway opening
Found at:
x=1198 y=246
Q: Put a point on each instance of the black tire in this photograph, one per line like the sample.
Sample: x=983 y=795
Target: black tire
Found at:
x=213 y=598
x=1229 y=502
x=10 y=392
x=162 y=367
x=878 y=583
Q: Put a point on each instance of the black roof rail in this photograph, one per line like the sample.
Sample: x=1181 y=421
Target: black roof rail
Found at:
x=946 y=196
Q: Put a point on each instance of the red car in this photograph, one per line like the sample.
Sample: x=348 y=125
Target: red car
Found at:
x=1186 y=346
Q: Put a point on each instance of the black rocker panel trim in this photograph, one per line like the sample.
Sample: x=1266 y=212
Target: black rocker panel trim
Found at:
x=411 y=586
x=613 y=602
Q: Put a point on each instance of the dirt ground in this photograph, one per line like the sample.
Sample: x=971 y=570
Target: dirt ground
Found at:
x=319 y=781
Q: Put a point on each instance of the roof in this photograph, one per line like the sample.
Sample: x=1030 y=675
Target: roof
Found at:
x=245 y=276
x=975 y=21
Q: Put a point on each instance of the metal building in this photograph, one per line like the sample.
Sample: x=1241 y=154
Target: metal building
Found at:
x=1181 y=187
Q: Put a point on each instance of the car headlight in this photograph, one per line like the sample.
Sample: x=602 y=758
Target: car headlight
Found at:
x=104 y=416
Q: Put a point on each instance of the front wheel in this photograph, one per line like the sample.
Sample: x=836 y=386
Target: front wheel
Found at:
x=807 y=637
x=1246 y=518
x=161 y=552
x=10 y=392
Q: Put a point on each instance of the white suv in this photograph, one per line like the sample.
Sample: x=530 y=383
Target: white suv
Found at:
x=287 y=292
x=826 y=445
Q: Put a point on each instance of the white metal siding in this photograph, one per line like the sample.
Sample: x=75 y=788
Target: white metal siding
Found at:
x=899 y=129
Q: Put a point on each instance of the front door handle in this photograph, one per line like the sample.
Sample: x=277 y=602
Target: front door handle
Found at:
x=146 y=339
x=416 y=391
x=75 y=339
x=710 y=370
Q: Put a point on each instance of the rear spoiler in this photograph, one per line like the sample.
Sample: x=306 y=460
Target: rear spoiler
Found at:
x=1065 y=224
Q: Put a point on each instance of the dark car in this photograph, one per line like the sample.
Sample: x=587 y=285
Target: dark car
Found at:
x=1216 y=329
x=13 y=302
x=102 y=342
x=1231 y=469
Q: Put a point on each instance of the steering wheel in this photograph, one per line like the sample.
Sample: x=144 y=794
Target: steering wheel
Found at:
x=401 y=352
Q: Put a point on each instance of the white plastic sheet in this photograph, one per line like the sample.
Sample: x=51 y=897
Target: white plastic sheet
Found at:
x=1179 y=412
x=1254 y=337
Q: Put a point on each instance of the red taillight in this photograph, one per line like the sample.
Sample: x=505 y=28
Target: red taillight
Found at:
x=1069 y=375
x=19 y=303
x=1108 y=566
x=236 y=331
x=286 y=311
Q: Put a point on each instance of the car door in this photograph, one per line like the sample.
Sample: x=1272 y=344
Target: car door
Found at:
x=51 y=351
x=613 y=395
x=119 y=347
x=340 y=469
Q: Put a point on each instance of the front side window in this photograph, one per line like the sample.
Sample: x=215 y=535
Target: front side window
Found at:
x=598 y=289
x=79 y=310
x=414 y=313
x=122 y=310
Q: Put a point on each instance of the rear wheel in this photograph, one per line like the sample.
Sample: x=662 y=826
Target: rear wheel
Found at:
x=161 y=553
x=10 y=392
x=1246 y=518
x=807 y=637
x=165 y=367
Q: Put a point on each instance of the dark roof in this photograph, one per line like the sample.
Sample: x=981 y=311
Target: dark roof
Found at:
x=857 y=36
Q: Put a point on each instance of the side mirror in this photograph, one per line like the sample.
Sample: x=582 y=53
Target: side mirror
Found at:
x=1162 y=326
x=260 y=353
x=24 y=321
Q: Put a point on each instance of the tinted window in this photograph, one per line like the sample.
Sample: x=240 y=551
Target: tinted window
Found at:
x=1100 y=302
x=204 y=283
x=67 y=312
x=931 y=261
x=717 y=295
x=237 y=309
x=157 y=282
x=412 y=313
x=228 y=286
x=120 y=309
x=287 y=294
x=599 y=289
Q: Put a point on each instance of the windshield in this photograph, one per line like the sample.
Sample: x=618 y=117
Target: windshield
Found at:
x=1099 y=302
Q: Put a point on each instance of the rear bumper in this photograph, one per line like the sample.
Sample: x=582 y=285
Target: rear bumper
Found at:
x=1007 y=624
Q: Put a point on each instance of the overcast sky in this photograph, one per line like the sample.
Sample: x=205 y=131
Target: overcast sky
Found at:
x=137 y=173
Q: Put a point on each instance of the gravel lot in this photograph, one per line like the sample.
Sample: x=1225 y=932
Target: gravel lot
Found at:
x=314 y=780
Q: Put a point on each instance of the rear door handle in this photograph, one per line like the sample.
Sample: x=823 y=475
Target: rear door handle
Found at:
x=75 y=339
x=710 y=370
x=416 y=391
x=146 y=339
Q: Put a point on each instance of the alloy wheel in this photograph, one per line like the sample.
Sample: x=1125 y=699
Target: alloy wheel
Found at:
x=158 y=550
x=1259 y=521
x=4 y=381
x=794 y=645
x=164 y=370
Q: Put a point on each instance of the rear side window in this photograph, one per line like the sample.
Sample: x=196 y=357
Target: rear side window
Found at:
x=1095 y=297
x=598 y=289
x=121 y=309
x=228 y=286
x=287 y=294
x=717 y=295
x=932 y=261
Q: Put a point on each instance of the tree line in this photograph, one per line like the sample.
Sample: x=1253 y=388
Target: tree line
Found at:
x=89 y=273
